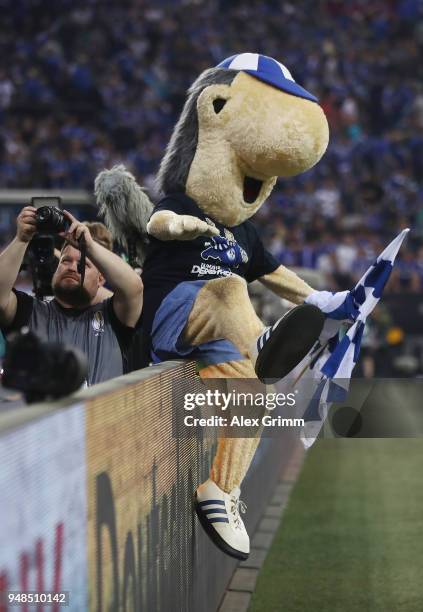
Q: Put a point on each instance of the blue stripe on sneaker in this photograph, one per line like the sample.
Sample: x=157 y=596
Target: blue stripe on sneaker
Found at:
x=214 y=511
x=263 y=338
x=209 y=502
x=218 y=519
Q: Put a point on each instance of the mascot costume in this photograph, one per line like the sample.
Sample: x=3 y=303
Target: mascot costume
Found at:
x=245 y=123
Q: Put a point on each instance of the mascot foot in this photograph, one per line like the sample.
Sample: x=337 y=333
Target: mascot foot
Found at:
x=282 y=346
x=218 y=513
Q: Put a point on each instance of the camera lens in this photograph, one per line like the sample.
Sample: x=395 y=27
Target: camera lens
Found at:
x=50 y=219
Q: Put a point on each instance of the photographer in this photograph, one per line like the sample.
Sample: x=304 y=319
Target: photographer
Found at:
x=79 y=316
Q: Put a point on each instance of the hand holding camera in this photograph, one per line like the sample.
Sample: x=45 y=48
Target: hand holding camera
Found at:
x=26 y=224
x=40 y=219
x=76 y=231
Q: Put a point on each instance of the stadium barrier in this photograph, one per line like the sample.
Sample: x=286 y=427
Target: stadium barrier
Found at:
x=96 y=499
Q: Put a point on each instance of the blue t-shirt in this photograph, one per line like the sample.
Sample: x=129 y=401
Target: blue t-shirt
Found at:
x=238 y=250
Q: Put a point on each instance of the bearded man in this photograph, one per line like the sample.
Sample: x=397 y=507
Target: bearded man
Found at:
x=99 y=322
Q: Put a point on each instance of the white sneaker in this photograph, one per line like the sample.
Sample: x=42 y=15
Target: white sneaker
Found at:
x=219 y=516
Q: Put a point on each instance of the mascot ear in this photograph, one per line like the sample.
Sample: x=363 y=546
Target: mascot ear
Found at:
x=211 y=104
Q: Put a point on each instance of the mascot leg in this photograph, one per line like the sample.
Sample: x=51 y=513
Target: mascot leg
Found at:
x=222 y=309
x=217 y=499
x=233 y=455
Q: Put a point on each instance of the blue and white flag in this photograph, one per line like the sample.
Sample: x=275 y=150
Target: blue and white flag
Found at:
x=331 y=361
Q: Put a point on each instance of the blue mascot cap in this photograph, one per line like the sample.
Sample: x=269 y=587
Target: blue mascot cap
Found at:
x=268 y=70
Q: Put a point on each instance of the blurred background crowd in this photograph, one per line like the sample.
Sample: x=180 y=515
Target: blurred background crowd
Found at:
x=85 y=85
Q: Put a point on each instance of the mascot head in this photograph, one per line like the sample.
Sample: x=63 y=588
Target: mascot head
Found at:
x=245 y=123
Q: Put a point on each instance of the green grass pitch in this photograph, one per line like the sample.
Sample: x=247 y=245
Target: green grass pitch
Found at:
x=351 y=538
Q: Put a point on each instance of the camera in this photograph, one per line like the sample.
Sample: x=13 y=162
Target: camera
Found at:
x=50 y=220
x=41 y=259
x=42 y=370
x=49 y=216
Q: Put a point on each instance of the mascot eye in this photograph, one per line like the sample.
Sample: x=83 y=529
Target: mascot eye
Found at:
x=218 y=104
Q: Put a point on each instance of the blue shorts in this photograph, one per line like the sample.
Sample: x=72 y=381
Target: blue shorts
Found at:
x=169 y=323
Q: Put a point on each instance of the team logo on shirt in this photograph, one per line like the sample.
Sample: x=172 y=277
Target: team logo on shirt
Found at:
x=227 y=252
x=98 y=322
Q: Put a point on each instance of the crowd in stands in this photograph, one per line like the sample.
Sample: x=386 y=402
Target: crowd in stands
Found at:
x=84 y=85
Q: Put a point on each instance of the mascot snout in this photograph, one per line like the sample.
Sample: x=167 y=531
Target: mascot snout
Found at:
x=272 y=132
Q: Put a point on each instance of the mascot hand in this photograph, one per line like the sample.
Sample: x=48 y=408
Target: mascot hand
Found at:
x=338 y=308
x=186 y=227
x=341 y=306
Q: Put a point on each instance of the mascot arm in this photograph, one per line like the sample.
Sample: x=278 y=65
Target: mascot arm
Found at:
x=287 y=284
x=167 y=225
